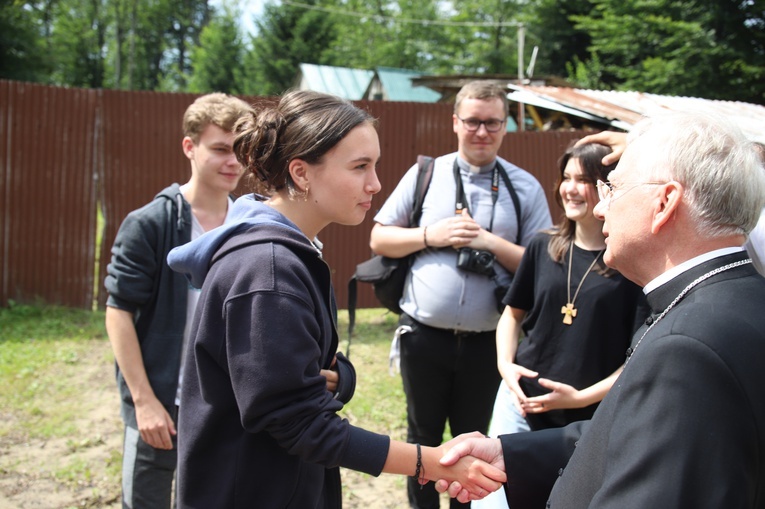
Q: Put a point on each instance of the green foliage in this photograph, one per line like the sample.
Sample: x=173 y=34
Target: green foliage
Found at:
x=485 y=49
x=216 y=61
x=695 y=48
x=76 y=43
x=287 y=36
x=22 y=55
x=706 y=48
x=587 y=74
x=22 y=323
x=393 y=34
x=551 y=28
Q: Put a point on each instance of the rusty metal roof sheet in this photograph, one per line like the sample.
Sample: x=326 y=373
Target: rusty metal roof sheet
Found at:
x=629 y=107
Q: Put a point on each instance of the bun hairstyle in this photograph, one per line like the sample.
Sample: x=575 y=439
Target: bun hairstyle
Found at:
x=304 y=125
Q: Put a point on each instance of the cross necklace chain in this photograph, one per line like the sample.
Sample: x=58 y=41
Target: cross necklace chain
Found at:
x=682 y=294
x=569 y=311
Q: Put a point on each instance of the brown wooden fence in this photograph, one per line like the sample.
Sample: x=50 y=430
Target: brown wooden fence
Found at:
x=65 y=153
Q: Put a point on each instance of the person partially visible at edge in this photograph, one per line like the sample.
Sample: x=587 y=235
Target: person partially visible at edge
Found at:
x=450 y=314
x=577 y=315
x=755 y=243
x=684 y=424
x=149 y=308
x=260 y=428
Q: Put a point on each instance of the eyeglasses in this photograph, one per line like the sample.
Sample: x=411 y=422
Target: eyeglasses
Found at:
x=473 y=124
x=606 y=190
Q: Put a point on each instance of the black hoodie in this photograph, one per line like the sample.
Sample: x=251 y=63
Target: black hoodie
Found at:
x=258 y=427
x=139 y=281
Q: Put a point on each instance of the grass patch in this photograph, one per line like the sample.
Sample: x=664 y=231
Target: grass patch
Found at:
x=50 y=355
x=41 y=349
x=379 y=403
x=21 y=323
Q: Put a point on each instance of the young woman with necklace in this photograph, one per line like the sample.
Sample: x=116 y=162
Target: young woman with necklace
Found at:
x=577 y=316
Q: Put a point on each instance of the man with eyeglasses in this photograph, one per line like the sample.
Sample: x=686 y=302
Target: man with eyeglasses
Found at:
x=479 y=213
x=684 y=424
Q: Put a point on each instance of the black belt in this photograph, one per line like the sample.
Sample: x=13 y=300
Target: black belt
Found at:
x=455 y=332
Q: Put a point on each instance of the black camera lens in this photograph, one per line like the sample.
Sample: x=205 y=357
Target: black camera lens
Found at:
x=484 y=258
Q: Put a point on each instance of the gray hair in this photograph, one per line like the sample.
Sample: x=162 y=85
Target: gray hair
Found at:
x=716 y=164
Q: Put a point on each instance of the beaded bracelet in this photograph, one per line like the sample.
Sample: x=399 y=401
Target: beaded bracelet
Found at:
x=420 y=466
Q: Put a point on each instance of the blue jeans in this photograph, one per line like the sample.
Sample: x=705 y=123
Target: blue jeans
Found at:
x=505 y=420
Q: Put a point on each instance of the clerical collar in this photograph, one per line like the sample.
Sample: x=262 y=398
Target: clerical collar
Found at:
x=686 y=265
x=466 y=166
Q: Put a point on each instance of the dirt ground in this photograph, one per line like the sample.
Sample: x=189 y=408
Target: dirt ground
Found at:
x=72 y=472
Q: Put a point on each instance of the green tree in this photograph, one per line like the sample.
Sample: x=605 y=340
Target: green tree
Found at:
x=490 y=49
x=22 y=52
x=402 y=33
x=551 y=28
x=711 y=49
x=216 y=62
x=287 y=36
x=77 y=41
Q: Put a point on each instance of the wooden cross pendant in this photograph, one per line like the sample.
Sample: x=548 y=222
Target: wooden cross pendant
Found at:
x=569 y=313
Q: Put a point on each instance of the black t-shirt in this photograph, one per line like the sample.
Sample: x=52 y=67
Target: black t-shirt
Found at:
x=609 y=310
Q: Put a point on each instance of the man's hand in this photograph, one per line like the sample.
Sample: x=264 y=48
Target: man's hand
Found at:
x=617 y=142
x=475 y=476
x=455 y=231
x=155 y=424
x=473 y=448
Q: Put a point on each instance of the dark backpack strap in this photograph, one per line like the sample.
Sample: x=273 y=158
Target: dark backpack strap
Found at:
x=425 y=166
x=516 y=201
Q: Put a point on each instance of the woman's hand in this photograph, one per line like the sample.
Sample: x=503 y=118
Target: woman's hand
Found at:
x=561 y=396
x=511 y=374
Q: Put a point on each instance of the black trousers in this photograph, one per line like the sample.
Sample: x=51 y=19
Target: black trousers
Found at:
x=447 y=375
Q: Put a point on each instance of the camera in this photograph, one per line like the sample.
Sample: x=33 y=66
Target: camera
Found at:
x=476 y=260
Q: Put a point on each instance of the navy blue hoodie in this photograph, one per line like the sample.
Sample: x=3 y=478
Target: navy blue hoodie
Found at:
x=258 y=427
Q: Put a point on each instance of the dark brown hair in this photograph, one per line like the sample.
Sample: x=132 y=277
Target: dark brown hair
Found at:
x=589 y=157
x=304 y=125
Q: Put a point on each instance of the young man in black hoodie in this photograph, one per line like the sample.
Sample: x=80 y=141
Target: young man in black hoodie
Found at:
x=150 y=307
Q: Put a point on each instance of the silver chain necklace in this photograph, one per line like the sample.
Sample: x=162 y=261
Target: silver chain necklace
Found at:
x=682 y=294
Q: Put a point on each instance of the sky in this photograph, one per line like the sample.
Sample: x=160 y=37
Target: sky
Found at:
x=250 y=9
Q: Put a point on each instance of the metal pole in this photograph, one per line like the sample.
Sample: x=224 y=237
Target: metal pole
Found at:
x=521 y=109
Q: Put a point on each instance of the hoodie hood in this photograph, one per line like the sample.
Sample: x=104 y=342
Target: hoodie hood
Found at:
x=173 y=193
x=193 y=259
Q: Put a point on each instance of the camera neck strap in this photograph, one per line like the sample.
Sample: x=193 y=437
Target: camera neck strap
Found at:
x=461 y=202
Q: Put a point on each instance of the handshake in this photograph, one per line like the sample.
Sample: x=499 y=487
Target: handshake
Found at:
x=471 y=466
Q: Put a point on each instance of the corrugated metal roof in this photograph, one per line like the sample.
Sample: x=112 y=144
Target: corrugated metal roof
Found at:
x=397 y=86
x=343 y=82
x=628 y=107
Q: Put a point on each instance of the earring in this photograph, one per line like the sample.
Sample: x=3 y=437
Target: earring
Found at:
x=305 y=194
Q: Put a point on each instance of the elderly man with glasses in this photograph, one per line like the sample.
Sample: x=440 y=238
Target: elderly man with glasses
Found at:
x=479 y=213
x=684 y=424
